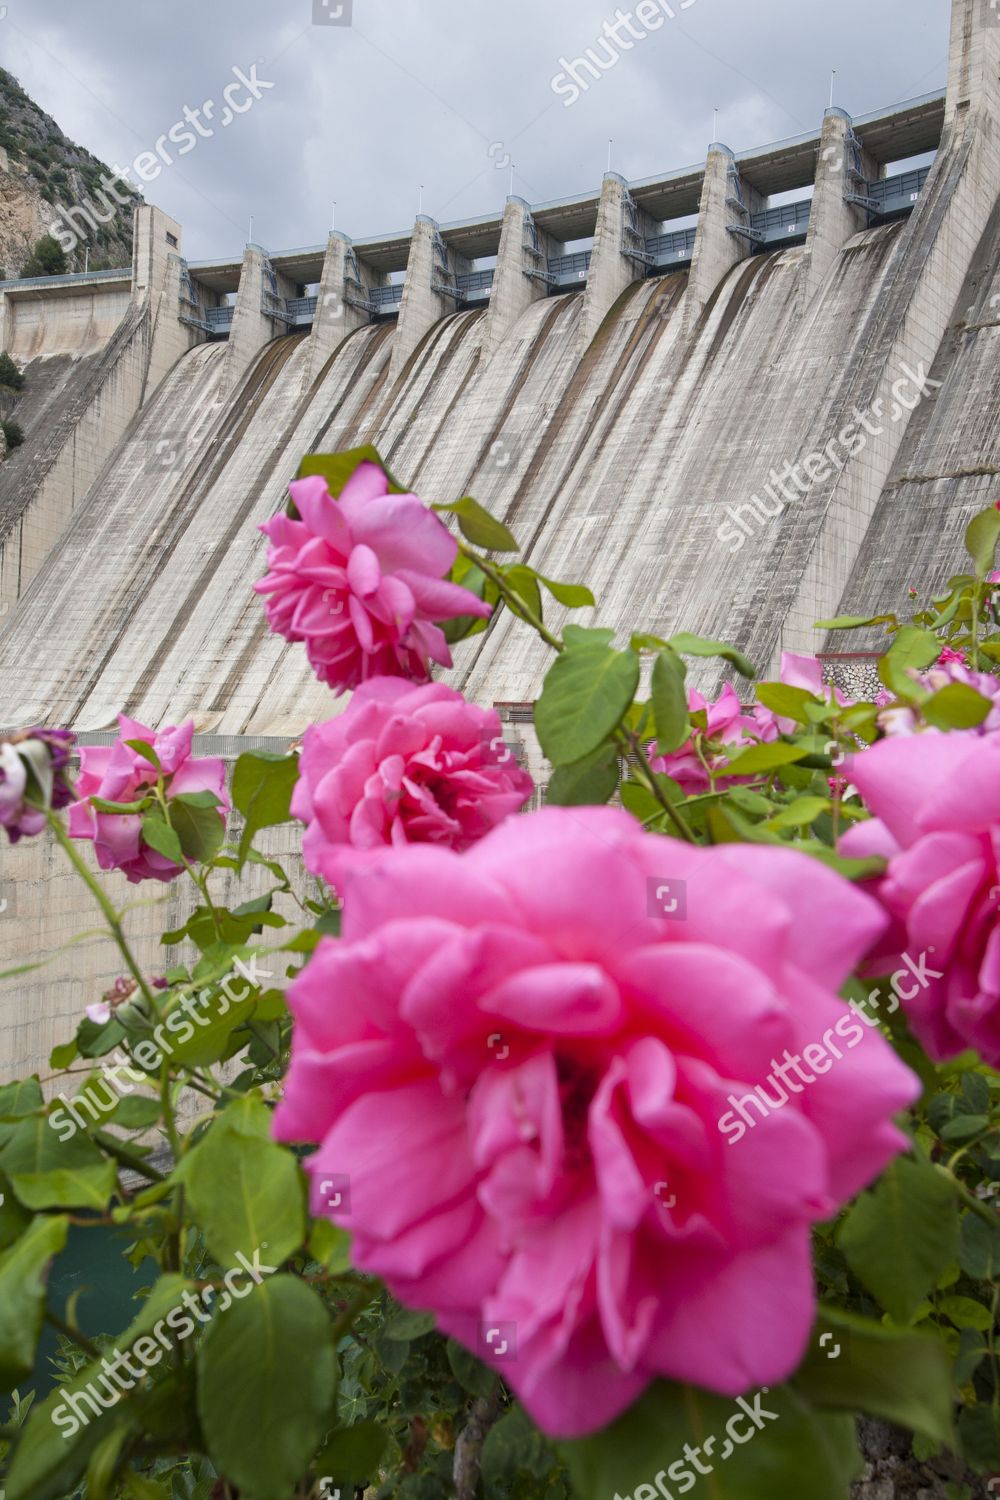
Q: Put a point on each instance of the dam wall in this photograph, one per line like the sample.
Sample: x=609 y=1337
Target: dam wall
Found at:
x=660 y=415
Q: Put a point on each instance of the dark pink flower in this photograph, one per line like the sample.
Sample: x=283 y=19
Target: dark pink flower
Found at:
x=361 y=581
x=730 y=729
x=520 y=1065
x=403 y=765
x=936 y=800
x=117 y=773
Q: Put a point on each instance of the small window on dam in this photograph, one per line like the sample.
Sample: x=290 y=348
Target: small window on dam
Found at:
x=173 y=240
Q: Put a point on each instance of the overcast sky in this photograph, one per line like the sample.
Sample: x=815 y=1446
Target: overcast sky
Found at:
x=440 y=93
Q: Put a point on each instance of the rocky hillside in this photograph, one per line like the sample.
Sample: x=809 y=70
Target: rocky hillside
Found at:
x=40 y=170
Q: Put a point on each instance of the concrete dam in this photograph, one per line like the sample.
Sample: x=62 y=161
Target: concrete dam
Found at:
x=740 y=396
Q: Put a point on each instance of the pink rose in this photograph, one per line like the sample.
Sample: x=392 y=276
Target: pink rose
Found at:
x=361 y=581
x=936 y=800
x=403 y=765
x=521 y=1065
x=904 y=720
x=34 y=761
x=117 y=773
x=805 y=672
x=728 y=726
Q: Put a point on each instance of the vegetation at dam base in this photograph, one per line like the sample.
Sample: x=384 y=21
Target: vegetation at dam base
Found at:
x=592 y=1150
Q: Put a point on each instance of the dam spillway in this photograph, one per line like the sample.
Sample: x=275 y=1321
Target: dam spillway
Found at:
x=617 y=429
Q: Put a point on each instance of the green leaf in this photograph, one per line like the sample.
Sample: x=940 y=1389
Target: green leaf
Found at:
x=158 y=834
x=197 y=799
x=670 y=702
x=405 y=1324
x=198 y=825
x=913 y=650
x=123 y=809
x=857 y=1365
x=586 y=693
x=981 y=537
x=979 y=1248
x=353 y=1454
x=524 y=582
x=472 y=1375
x=23 y=1271
x=18 y=1100
x=590 y=782
x=696 y=645
x=956 y=706
x=273 y=1349
x=143 y=748
x=244 y=1192
x=515 y=1447
x=50 y=1458
x=761 y=758
x=789 y=702
x=899 y=1238
x=587 y=635
x=792 y=1440
x=262 y=792
x=802 y=812
x=979 y=1429
x=966 y=1312
x=47 y=1172
x=964 y=1127
x=572 y=595
x=338 y=468
x=479 y=527
x=854 y=622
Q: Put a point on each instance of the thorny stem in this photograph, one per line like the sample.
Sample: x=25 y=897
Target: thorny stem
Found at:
x=110 y=914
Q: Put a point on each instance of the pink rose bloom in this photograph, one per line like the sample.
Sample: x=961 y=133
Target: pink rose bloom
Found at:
x=518 y=1064
x=403 y=765
x=361 y=581
x=895 y=722
x=804 y=672
x=728 y=725
x=118 y=773
x=949 y=654
x=936 y=800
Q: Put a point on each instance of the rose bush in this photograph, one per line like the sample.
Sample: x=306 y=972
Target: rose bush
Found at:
x=605 y=1116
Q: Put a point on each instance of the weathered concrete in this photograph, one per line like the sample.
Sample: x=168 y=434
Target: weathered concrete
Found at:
x=621 y=227
x=833 y=220
x=716 y=249
x=519 y=279
x=257 y=318
x=430 y=271
x=341 y=303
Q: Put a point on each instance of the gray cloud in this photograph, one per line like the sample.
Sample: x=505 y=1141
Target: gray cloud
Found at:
x=417 y=93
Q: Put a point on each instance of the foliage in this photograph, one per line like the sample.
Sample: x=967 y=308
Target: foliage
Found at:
x=13 y=434
x=47 y=259
x=299 y=1376
x=10 y=375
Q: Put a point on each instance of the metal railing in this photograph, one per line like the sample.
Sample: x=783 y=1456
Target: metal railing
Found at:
x=302 y=310
x=569 y=270
x=894 y=195
x=385 y=300
x=475 y=283
x=788 y=221
x=673 y=249
x=219 y=319
x=72 y=278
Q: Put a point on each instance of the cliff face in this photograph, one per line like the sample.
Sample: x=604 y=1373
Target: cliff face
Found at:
x=41 y=170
